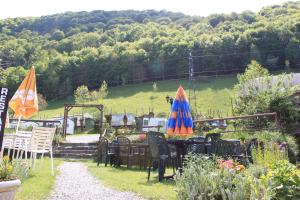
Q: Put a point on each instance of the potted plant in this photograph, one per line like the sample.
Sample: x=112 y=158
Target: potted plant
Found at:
x=9 y=183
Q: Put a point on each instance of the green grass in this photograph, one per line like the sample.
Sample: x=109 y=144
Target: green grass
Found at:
x=211 y=94
x=134 y=180
x=39 y=183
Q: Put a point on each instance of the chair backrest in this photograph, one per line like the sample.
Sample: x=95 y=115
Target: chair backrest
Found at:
x=102 y=147
x=8 y=140
x=103 y=144
x=197 y=139
x=157 y=144
x=122 y=140
x=22 y=140
x=212 y=137
x=226 y=148
x=42 y=138
x=195 y=148
x=124 y=146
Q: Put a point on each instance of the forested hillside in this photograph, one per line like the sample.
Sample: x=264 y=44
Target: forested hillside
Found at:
x=122 y=47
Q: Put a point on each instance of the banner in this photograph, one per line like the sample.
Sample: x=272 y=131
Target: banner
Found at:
x=4 y=92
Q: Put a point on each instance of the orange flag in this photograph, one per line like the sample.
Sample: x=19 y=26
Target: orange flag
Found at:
x=25 y=102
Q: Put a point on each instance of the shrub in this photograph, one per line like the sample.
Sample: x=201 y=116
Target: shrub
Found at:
x=203 y=179
x=268 y=137
x=42 y=102
x=259 y=92
x=57 y=139
x=285 y=180
x=268 y=155
x=288 y=114
x=200 y=179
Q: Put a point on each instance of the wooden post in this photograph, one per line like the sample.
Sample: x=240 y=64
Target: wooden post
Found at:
x=65 y=121
x=101 y=113
x=100 y=108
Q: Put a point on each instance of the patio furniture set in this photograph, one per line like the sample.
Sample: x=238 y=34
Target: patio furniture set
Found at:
x=157 y=152
x=19 y=145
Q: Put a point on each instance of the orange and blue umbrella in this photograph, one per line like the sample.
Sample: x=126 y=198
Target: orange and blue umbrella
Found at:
x=180 y=121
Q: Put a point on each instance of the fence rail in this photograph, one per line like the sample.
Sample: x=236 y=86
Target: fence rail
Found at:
x=259 y=115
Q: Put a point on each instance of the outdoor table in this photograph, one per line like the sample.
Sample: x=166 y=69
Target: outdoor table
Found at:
x=180 y=145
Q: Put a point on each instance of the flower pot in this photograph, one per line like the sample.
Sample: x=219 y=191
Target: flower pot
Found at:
x=8 y=189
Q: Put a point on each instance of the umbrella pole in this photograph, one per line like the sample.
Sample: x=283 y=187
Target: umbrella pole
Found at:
x=18 y=125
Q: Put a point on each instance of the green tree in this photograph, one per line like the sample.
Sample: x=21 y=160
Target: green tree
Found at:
x=293 y=53
x=12 y=77
x=103 y=90
x=254 y=70
x=82 y=94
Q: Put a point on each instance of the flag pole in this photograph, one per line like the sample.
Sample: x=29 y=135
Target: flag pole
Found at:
x=18 y=124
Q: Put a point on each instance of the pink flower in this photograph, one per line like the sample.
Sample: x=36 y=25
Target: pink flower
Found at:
x=228 y=164
x=142 y=137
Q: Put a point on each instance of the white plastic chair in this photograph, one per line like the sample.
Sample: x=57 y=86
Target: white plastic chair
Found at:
x=21 y=143
x=8 y=141
x=41 y=143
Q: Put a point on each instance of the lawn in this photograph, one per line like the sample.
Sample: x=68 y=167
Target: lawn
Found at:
x=39 y=183
x=133 y=180
x=211 y=94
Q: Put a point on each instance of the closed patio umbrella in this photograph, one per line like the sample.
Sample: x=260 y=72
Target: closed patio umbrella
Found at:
x=24 y=103
x=180 y=120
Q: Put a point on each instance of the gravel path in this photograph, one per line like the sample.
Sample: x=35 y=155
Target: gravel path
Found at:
x=75 y=183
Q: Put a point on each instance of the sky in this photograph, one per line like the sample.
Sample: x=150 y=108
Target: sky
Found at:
x=26 y=8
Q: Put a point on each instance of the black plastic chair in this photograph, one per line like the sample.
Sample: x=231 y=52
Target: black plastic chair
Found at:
x=231 y=149
x=226 y=149
x=125 y=151
x=160 y=154
x=105 y=153
x=195 y=145
x=210 y=142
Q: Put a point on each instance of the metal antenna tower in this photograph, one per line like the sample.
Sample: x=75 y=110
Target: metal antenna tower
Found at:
x=192 y=95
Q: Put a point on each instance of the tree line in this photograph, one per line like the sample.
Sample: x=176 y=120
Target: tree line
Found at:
x=121 y=47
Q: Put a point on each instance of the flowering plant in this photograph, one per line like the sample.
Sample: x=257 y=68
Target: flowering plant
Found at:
x=142 y=137
x=230 y=164
x=6 y=169
x=285 y=180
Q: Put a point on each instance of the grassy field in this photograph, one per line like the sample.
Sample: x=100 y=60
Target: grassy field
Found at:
x=135 y=181
x=211 y=94
x=39 y=183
